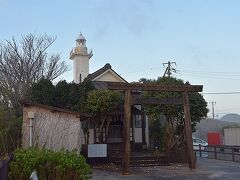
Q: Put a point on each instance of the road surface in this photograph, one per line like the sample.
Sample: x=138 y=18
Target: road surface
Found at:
x=206 y=169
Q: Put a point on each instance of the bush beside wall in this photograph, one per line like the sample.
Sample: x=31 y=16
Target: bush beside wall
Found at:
x=64 y=165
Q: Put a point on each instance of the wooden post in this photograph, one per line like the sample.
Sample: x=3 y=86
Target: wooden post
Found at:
x=215 y=152
x=188 y=131
x=94 y=134
x=126 y=132
x=233 y=157
x=200 y=150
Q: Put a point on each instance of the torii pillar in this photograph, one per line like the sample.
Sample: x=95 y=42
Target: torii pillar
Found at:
x=188 y=131
x=126 y=132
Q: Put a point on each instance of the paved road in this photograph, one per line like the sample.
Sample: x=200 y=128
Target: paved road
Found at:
x=206 y=169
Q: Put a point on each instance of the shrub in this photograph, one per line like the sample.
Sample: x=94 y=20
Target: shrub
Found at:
x=64 y=165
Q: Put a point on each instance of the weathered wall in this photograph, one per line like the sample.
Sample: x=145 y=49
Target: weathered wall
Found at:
x=232 y=136
x=52 y=129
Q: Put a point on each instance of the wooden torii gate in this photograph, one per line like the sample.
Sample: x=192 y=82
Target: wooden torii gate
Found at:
x=127 y=88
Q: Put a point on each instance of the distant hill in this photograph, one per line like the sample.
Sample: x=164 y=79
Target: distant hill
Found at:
x=231 y=118
x=208 y=125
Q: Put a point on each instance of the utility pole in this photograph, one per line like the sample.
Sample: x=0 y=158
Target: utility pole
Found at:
x=169 y=68
x=213 y=103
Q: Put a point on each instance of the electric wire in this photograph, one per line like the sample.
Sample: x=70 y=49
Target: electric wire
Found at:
x=196 y=73
x=203 y=74
x=223 y=93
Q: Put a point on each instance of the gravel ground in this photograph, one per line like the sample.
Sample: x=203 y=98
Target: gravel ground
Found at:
x=206 y=169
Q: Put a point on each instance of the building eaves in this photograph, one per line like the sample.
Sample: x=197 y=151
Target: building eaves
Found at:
x=82 y=116
x=105 y=68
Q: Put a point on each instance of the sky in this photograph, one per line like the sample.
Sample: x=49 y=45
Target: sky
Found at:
x=137 y=36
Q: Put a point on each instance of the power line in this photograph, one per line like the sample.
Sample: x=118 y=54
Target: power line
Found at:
x=237 y=92
x=142 y=70
x=211 y=77
x=213 y=72
x=204 y=74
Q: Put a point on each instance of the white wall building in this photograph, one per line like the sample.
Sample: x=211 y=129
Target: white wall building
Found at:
x=80 y=57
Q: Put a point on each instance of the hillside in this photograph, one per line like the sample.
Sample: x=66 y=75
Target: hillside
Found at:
x=231 y=118
x=208 y=125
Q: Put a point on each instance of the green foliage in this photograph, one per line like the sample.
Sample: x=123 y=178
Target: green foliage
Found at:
x=50 y=165
x=69 y=95
x=64 y=95
x=157 y=126
x=76 y=97
x=10 y=131
x=62 y=92
x=198 y=108
x=100 y=101
x=174 y=113
x=42 y=92
x=85 y=88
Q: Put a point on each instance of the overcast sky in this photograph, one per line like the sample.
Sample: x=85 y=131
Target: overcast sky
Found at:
x=137 y=36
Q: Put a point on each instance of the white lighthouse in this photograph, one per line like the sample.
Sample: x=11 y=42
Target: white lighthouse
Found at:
x=80 y=57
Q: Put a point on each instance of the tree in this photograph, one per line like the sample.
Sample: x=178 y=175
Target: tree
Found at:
x=25 y=62
x=99 y=103
x=72 y=96
x=174 y=113
x=10 y=131
x=42 y=92
x=64 y=95
x=103 y=101
x=84 y=89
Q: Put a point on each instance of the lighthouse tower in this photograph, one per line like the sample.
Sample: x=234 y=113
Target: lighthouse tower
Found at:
x=80 y=57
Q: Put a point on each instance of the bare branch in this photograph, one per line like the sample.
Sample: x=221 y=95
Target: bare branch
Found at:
x=25 y=62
